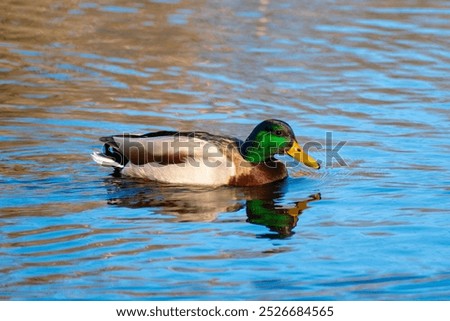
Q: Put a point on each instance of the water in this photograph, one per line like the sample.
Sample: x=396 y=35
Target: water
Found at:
x=372 y=74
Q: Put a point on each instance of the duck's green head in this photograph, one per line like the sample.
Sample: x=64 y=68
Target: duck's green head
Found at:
x=272 y=137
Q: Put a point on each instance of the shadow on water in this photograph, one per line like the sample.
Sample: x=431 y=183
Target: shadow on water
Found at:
x=263 y=205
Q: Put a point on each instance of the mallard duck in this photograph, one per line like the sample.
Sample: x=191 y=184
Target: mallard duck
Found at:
x=200 y=158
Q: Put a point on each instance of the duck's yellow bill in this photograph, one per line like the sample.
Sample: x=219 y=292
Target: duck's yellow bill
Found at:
x=299 y=154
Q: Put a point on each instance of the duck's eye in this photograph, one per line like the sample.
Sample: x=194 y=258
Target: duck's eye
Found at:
x=278 y=132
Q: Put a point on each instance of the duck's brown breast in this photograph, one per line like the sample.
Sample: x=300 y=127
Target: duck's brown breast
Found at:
x=248 y=174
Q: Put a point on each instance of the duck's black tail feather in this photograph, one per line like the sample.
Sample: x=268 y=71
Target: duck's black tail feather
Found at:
x=110 y=156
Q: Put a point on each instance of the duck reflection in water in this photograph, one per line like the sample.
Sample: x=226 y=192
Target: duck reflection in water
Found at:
x=263 y=204
x=278 y=218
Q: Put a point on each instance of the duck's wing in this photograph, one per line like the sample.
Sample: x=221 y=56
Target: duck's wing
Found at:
x=163 y=148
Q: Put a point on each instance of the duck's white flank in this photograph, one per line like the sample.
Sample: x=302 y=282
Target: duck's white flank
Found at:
x=203 y=164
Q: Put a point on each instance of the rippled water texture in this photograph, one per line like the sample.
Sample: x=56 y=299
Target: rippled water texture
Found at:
x=373 y=74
